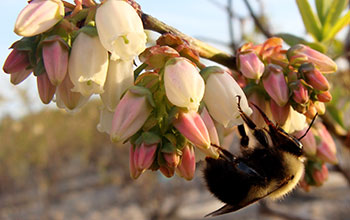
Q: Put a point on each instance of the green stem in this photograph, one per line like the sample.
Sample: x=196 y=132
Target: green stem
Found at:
x=205 y=50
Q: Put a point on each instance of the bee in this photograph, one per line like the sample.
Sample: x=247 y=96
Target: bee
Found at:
x=271 y=169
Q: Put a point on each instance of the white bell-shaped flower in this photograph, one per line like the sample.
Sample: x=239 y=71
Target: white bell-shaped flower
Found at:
x=184 y=86
x=88 y=64
x=120 y=29
x=220 y=97
x=120 y=77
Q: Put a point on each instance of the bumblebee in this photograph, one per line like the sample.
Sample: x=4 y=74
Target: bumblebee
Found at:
x=271 y=169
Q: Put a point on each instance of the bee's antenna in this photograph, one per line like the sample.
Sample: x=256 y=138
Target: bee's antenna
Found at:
x=312 y=122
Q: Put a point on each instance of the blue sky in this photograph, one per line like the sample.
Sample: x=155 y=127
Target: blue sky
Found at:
x=197 y=18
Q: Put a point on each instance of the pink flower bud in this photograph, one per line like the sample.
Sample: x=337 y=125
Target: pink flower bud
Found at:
x=323 y=63
x=259 y=101
x=172 y=159
x=275 y=84
x=250 y=65
x=18 y=77
x=55 y=55
x=320 y=176
x=45 y=88
x=187 y=166
x=209 y=123
x=326 y=150
x=16 y=61
x=300 y=93
x=144 y=156
x=67 y=99
x=191 y=125
x=309 y=141
x=324 y=96
x=134 y=173
x=184 y=86
x=316 y=79
x=167 y=171
x=131 y=113
x=279 y=114
x=39 y=16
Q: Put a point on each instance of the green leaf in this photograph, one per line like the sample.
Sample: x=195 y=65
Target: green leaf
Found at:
x=292 y=40
x=340 y=24
x=311 y=22
x=168 y=148
x=39 y=68
x=150 y=138
x=322 y=7
x=332 y=16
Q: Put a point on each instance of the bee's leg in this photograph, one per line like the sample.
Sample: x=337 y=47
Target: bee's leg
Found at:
x=258 y=133
x=227 y=155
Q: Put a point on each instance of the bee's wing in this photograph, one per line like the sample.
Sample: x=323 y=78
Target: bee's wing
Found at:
x=231 y=208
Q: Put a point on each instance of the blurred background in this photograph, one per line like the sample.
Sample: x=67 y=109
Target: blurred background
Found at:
x=56 y=165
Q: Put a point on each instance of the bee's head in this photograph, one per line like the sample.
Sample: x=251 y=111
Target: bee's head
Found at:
x=280 y=138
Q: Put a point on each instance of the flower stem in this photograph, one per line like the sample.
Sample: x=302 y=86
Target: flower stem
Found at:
x=205 y=51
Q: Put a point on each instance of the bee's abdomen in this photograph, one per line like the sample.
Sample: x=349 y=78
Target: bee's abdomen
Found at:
x=226 y=182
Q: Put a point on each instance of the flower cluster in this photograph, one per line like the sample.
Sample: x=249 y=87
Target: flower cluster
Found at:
x=290 y=86
x=287 y=83
x=169 y=114
x=77 y=50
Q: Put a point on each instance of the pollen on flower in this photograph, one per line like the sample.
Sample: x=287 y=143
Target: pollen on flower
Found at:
x=89 y=83
x=126 y=40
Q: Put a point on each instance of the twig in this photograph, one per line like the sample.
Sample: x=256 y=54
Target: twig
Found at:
x=205 y=51
x=344 y=172
x=230 y=25
x=256 y=21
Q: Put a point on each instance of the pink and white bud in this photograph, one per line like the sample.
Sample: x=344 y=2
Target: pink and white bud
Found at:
x=184 y=86
x=187 y=166
x=88 y=65
x=191 y=125
x=209 y=123
x=120 y=77
x=275 y=84
x=308 y=141
x=250 y=65
x=324 y=96
x=220 y=97
x=134 y=173
x=279 y=114
x=55 y=55
x=120 y=29
x=144 y=156
x=17 y=61
x=66 y=98
x=39 y=16
x=320 y=176
x=326 y=150
x=322 y=62
x=45 y=88
x=300 y=93
x=172 y=159
x=18 y=77
x=130 y=115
